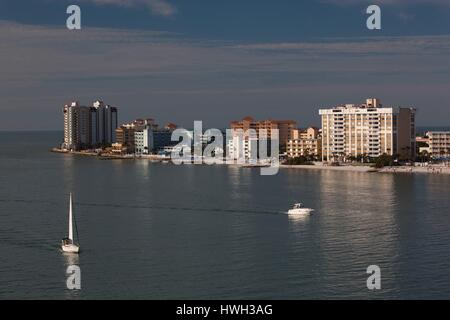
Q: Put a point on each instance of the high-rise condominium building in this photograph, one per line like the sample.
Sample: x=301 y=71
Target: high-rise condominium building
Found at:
x=104 y=123
x=76 y=126
x=367 y=129
x=89 y=126
x=439 y=143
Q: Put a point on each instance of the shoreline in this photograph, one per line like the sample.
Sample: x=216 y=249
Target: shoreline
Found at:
x=426 y=169
x=368 y=169
x=334 y=168
x=432 y=169
x=94 y=154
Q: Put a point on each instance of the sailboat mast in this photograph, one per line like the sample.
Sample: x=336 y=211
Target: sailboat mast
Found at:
x=70 y=219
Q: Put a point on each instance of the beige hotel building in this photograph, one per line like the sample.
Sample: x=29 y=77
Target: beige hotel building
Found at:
x=367 y=129
x=304 y=143
x=439 y=142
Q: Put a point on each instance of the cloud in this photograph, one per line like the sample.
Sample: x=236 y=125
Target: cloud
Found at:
x=158 y=7
x=354 y=47
x=406 y=17
x=47 y=54
x=167 y=75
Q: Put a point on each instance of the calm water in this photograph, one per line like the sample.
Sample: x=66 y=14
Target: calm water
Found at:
x=158 y=231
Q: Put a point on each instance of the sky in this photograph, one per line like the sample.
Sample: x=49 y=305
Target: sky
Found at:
x=218 y=61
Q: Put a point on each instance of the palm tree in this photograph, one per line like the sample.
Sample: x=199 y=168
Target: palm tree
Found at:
x=364 y=157
x=424 y=156
x=352 y=158
x=306 y=153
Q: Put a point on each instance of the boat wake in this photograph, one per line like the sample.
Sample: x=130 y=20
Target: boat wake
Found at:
x=151 y=207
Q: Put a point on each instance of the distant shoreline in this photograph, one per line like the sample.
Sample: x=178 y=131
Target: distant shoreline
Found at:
x=432 y=169
x=92 y=154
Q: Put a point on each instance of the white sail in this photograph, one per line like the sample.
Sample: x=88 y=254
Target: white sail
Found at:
x=67 y=243
x=70 y=219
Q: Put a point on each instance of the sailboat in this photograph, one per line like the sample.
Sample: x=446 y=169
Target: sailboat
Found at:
x=68 y=244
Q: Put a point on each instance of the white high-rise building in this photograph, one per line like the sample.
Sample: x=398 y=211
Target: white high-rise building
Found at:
x=76 y=126
x=367 y=129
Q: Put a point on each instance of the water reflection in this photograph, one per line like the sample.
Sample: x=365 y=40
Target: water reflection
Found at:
x=298 y=218
x=357 y=219
x=422 y=212
x=69 y=173
x=70 y=259
x=218 y=232
x=239 y=182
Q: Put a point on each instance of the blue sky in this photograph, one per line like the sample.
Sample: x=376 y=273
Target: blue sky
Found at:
x=250 y=20
x=217 y=61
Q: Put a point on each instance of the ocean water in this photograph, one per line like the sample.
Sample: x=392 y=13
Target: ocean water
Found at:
x=160 y=231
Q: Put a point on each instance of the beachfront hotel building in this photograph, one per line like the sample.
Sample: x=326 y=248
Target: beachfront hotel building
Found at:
x=144 y=136
x=86 y=127
x=368 y=129
x=439 y=143
x=304 y=143
x=244 y=142
x=284 y=127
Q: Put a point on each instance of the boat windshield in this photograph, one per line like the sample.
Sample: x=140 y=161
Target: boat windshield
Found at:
x=66 y=241
x=298 y=206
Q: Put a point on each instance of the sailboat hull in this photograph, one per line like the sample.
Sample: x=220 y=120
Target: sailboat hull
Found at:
x=70 y=248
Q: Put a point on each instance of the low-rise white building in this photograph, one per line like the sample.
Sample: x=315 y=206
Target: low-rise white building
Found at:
x=143 y=141
x=242 y=148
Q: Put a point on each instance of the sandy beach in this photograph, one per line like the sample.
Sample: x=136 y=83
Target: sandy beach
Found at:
x=418 y=169
x=434 y=169
x=335 y=168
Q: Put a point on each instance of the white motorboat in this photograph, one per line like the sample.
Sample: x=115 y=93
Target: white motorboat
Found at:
x=68 y=245
x=299 y=209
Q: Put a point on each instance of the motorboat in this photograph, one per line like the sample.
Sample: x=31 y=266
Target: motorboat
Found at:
x=299 y=209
